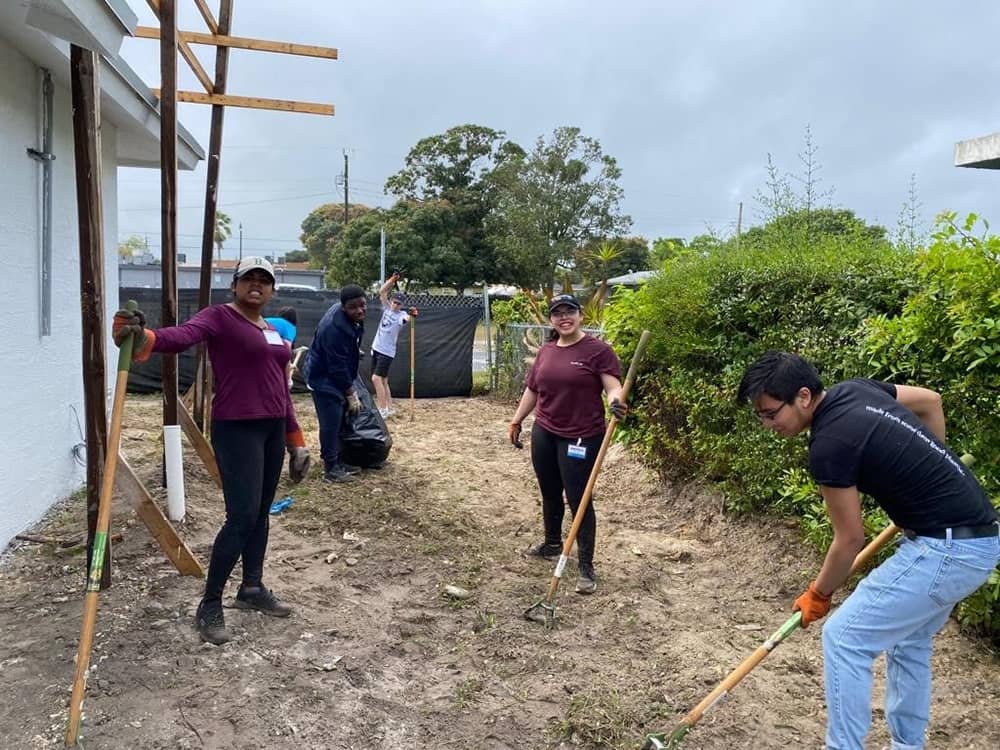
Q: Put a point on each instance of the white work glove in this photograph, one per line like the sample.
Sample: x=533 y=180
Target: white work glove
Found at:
x=353 y=402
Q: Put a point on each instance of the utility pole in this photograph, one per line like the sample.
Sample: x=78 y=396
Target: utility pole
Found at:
x=739 y=226
x=241 y=240
x=345 y=187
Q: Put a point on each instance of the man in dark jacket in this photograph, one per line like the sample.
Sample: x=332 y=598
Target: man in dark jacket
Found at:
x=331 y=367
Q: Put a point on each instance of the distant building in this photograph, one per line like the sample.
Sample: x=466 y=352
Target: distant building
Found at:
x=633 y=279
x=979 y=153
x=139 y=272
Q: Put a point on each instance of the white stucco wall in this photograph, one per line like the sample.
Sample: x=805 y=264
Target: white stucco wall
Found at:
x=41 y=376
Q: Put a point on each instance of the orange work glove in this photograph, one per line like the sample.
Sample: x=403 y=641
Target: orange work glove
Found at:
x=127 y=323
x=813 y=604
x=514 y=434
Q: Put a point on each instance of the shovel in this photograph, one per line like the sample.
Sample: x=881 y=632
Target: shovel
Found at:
x=100 y=539
x=544 y=610
x=672 y=740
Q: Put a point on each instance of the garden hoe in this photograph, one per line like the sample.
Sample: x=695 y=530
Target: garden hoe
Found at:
x=544 y=610
x=671 y=741
x=100 y=538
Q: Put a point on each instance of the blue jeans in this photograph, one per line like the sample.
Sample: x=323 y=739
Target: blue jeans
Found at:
x=330 y=410
x=897 y=609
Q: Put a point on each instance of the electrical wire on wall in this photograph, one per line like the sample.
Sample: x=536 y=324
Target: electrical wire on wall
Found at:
x=80 y=449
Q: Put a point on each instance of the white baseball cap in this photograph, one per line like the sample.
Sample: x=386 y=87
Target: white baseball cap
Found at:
x=252 y=263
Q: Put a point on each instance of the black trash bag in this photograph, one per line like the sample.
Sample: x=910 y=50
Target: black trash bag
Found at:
x=365 y=440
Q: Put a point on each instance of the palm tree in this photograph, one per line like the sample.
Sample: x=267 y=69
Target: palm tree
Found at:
x=223 y=230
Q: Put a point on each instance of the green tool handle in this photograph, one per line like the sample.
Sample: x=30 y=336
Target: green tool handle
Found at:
x=128 y=344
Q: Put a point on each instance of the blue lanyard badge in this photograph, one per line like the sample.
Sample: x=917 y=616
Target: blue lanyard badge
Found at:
x=577 y=450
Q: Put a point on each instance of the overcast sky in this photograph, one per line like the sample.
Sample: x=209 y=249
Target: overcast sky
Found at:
x=689 y=97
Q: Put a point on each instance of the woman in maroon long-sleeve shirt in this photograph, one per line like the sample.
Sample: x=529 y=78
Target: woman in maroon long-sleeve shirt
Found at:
x=252 y=421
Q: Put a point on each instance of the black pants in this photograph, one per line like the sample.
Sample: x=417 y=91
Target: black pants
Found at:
x=557 y=473
x=250 y=454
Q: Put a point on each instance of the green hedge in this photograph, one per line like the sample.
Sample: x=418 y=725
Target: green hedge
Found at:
x=852 y=304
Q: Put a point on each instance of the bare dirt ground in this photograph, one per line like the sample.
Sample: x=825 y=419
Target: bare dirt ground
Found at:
x=377 y=656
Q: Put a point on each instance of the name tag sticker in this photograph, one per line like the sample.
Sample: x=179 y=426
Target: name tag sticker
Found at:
x=576 y=451
x=273 y=337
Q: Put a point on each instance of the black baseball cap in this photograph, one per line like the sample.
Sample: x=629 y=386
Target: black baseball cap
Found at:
x=564 y=299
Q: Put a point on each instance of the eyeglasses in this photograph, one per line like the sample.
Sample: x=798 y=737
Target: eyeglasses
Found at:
x=563 y=312
x=769 y=414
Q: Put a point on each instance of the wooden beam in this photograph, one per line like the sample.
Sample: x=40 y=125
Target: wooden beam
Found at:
x=195 y=66
x=214 y=167
x=199 y=443
x=253 y=102
x=187 y=53
x=86 y=98
x=128 y=484
x=242 y=42
x=168 y=198
x=207 y=15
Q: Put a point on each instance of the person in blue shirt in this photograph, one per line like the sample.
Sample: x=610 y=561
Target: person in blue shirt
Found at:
x=286 y=324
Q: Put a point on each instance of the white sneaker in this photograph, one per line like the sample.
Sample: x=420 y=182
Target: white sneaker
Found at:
x=389 y=412
x=383 y=412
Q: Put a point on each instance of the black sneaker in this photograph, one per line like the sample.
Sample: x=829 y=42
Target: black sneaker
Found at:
x=338 y=474
x=587 y=582
x=351 y=468
x=261 y=600
x=211 y=623
x=544 y=550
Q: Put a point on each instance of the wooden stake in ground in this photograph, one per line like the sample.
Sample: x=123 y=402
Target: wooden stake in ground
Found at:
x=100 y=540
x=413 y=362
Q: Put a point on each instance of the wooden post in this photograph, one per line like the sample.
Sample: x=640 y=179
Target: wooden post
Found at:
x=212 y=199
x=85 y=87
x=168 y=196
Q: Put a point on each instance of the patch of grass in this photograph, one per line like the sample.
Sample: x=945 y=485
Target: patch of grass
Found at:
x=604 y=719
x=480 y=383
x=468 y=692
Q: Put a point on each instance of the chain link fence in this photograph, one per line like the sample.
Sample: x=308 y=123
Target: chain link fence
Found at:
x=516 y=347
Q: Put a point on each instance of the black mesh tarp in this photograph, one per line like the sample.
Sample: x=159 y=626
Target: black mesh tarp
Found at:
x=444 y=336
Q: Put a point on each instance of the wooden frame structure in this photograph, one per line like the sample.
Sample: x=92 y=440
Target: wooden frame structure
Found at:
x=173 y=41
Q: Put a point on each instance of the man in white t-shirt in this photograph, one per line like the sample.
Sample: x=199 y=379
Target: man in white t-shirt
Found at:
x=384 y=344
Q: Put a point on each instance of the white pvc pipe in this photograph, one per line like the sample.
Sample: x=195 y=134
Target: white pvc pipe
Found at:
x=175 y=471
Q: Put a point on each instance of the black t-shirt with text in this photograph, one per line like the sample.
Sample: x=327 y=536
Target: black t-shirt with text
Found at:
x=862 y=436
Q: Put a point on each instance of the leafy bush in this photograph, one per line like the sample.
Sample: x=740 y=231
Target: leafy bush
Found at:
x=712 y=314
x=852 y=304
x=948 y=338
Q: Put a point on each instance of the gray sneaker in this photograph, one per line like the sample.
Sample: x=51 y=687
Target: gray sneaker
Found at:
x=211 y=623
x=262 y=600
x=587 y=582
x=338 y=474
x=544 y=550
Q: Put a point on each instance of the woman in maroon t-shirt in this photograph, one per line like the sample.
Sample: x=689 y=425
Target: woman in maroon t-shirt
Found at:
x=564 y=389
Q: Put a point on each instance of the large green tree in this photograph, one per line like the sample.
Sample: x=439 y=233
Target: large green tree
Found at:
x=450 y=175
x=552 y=201
x=322 y=228
x=424 y=238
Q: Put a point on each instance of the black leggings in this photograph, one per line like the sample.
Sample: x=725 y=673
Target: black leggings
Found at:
x=250 y=454
x=557 y=472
